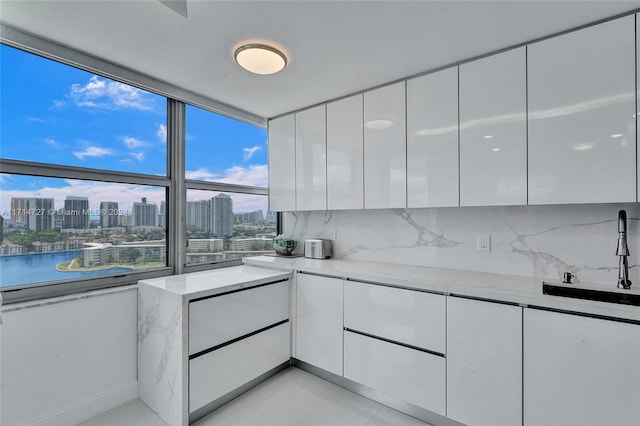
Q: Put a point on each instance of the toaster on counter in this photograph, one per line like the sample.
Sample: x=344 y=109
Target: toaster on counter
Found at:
x=317 y=248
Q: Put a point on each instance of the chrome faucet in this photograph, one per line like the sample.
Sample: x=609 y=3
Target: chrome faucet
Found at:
x=623 y=251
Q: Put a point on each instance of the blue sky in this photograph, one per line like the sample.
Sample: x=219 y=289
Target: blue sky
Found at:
x=57 y=114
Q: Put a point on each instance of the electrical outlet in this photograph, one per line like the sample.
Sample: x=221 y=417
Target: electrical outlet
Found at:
x=484 y=242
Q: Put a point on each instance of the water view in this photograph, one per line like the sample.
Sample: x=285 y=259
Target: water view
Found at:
x=39 y=267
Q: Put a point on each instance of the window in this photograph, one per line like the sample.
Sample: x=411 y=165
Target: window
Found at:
x=84 y=187
x=60 y=229
x=53 y=113
x=227 y=226
x=227 y=215
x=87 y=187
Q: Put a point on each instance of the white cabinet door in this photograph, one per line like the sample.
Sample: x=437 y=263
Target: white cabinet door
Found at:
x=582 y=132
x=580 y=371
x=319 y=321
x=385 y=148
x=432 y=140
x=311 y=159
x=484 y=362
x=217 y=373
x=408 y=374
x=282 y=168
x=219 y=319
x=345 y=157
x=411 y=317
x=493 y=130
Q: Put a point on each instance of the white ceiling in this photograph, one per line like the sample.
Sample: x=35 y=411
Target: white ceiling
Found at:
x=335 y=48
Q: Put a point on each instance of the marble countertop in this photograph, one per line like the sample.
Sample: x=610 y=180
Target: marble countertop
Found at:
x=207 y=283
x=524 y=291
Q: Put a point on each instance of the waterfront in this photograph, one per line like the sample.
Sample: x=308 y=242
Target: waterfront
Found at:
x=40 y=267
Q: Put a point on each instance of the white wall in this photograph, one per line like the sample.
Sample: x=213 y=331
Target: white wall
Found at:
x=534 y=241
x=67 y=359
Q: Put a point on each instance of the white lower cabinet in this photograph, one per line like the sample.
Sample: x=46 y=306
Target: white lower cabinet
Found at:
x=484 y=362
x=319 y=321
x=580 y=370
x=408 y=374
x=219 y=372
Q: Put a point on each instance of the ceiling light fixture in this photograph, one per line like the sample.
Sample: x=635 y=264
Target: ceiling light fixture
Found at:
x=378 y=124
x=260 y=58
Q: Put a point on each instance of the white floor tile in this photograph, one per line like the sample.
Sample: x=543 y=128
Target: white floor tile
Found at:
x=291 y=398
x=390 y=417
x=134 y=413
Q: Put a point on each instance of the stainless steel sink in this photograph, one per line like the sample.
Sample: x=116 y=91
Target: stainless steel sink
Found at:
x=591 y=292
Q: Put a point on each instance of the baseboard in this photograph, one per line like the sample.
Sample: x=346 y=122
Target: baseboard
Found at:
x=88 y=408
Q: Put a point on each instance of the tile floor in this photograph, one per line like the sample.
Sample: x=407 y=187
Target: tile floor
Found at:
x=291 y=398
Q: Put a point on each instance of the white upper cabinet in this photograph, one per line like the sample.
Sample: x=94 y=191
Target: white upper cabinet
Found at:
x=582 y=132
x=282 y=167
x=311 y=159
x=493 y=130
x=385 y=152
x=345 y=178
x=432 y=140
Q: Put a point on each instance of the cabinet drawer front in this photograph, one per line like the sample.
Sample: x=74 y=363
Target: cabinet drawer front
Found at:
x=408 y=374
x=220 y=319
x=411 y=317
x=217 y=373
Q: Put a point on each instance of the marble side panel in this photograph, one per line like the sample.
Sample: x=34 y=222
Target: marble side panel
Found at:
x=162 y=364
x=529 y=241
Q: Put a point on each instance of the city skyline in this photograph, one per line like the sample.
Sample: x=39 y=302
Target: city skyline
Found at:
x=44 y=214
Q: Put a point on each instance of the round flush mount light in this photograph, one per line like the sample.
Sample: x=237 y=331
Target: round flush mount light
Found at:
x=260 y=58
x=378 y=124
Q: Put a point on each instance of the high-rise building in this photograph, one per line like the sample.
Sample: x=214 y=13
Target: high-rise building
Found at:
x=145 y=214
x=222 y=215
x=199 y=216
x=40 y=214
x=33 y=213
x=250 y=217
x=272 y=217
x=19 y=208
x=76 y=212
x=109 y=214
x=162 y=214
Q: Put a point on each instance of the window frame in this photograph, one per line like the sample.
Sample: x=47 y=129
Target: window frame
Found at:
x=174 y=182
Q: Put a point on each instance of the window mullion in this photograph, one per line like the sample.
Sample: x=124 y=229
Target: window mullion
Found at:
x=176 y=226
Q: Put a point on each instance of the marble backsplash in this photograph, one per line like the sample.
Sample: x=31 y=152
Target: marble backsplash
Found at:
x=532 y=241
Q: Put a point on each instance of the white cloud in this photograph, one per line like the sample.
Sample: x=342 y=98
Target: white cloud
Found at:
x=161 y=132
x=254 y=175
x=137 y=155
x=92 y=151
x=107 y=94
x=53 y=143
x=248 y=152
x=133 y=143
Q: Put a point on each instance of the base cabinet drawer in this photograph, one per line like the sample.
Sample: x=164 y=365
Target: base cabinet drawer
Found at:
x=411 y=317
x=408 y=374
x=223 y=370
x=218 y=319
